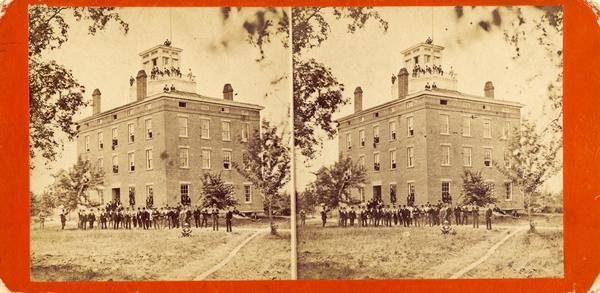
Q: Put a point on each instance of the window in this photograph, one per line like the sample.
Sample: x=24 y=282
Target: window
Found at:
x=410 y=153
x=247 y=193
x=205 y=128
x=487 y=157
x=487 y=128
x=392 y=130
x=227 y=160
x=100 y=164
x=409 y=104
x=131 y=132
x=445 y=124
x=467 y=156
x=361 y=161
x=446 y=192
x=182 y=104
x=411 y=189
x=131 y=161
x=225 y=110
x=87 y=143
x=184 y=157
x=148 y=106
x=393 y=159
x=361 y=194
x=508 y=190
x=149 y=159
x=409 y=126
x=115 y=138
x=100 y=140
x=185 y=194
x=183 y=126
x=361 y=137
x=466 y=126
x=245 y=132
x=376 y=114
x=376 y=165
x=427 y=58
x=148 y=123
x=226 y=130
x=506 y=129
x=507 y=159
x=445 y=155
x=443 y=102
x=375 y=134
x=205 y=159
x=115 y=164
x=393 y=196
x=348 y=140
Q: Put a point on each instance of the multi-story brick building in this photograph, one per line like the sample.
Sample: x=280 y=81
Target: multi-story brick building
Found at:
x=159 y=145
x=420 y=141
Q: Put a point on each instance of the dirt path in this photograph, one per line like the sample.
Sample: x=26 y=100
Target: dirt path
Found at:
x=230 y=256
x=490 y=252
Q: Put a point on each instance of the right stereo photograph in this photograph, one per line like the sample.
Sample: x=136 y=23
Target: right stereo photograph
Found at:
x=428 y=142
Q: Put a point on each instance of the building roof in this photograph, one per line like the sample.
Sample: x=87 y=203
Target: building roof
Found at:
x=179 y=95
x=437 y=92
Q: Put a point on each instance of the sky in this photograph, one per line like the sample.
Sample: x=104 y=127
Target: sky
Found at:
x=108 y=59
x=369 y=57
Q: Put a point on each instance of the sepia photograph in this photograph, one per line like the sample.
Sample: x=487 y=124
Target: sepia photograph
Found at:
x=428 y=142
x=159 y=144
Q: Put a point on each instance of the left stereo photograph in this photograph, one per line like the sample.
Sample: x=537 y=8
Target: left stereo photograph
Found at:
x=159 y=143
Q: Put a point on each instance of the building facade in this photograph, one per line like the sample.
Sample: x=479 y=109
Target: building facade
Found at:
x=157 y=148
x=417 y=145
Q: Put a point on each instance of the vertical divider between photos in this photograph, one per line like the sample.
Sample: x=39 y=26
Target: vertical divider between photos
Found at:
x=293 y=231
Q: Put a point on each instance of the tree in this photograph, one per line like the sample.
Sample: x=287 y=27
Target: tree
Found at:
x=541 y=24
x=475 y=190
x=71 y=187
x=530 y=160
x=307 y=200
x=317 y=93
x=41 y=203
x=55 y=95
x=334 y=183
x=215 y=193
x=266 y=164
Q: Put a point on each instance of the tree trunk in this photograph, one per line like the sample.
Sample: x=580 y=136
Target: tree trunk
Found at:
x=531 y=224
x=273 y=230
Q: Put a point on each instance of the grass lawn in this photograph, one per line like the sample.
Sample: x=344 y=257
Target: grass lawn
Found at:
x=75 y=255
x=414 y=252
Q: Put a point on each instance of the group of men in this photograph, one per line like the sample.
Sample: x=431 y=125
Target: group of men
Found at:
x=155 y=72
x=434 y=69
x=118 y=217
x=376 y=214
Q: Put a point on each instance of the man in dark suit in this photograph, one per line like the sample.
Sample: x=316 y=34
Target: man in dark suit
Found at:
x=324 y=215
x=352 y=216
x=457 y=212
x=488 y=218
x=475 y=214
x=197 y=217
x=63 y=219
x=228 y=217
x=204 y=223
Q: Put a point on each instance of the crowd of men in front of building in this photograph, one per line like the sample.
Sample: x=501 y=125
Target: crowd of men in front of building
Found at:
x=114 y=216
x=375 y=214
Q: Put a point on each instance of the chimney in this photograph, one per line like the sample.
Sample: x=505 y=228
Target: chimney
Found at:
x=228 y=92
x=96 y=101
x=141 y=85
x=358 y=99
x=402 y=83
x=488 y=89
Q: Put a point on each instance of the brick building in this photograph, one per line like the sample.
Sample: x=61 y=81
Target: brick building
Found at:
x=158 y=146
x=420 y=141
